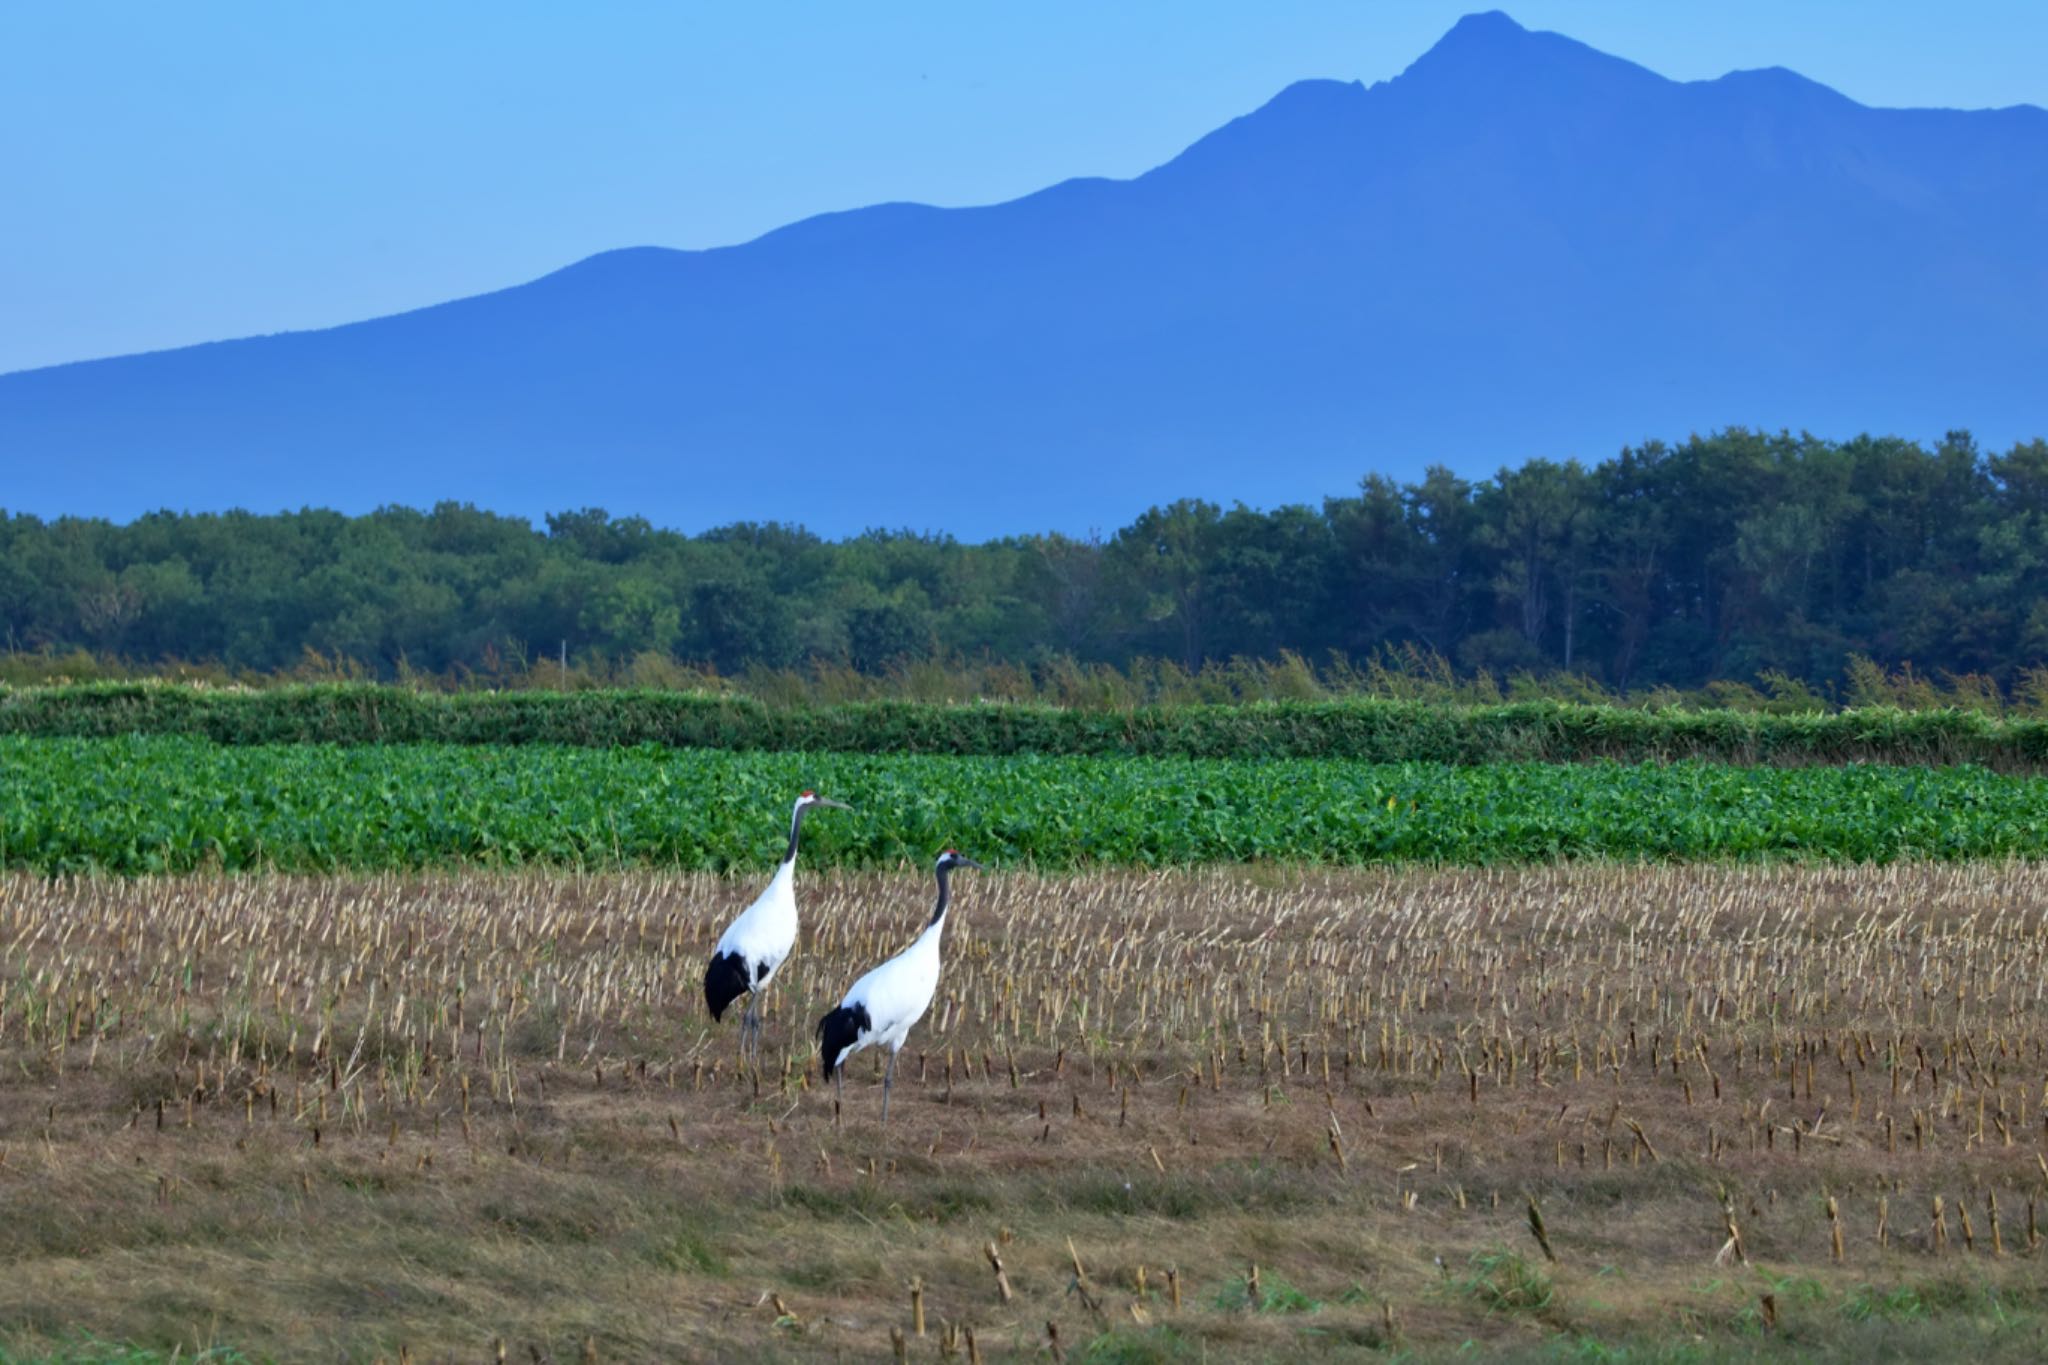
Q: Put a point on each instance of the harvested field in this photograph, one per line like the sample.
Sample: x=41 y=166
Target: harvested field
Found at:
x=1268 y=1112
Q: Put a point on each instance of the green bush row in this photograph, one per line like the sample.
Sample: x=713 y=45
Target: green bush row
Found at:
x=1379 y=731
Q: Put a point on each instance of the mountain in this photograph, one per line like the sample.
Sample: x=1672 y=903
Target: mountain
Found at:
x=1519 y=246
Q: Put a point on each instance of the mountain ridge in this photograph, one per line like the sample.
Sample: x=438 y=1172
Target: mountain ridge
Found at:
x=1518 y=246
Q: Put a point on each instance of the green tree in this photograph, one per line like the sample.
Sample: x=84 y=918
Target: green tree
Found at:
x=631 y=615
x=1162 y=559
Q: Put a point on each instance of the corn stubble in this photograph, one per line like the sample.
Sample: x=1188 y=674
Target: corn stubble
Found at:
x=441 y=1112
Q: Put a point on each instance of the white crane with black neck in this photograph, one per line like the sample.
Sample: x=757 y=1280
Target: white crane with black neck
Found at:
x=753 y=947
x=882 y=1006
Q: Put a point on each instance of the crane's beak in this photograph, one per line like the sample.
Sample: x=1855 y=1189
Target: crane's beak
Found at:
x=964 y=861
x=828 y=801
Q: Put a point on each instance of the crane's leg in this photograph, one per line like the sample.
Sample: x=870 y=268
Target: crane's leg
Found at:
x=888 y=1079
x=750 y=1033
x=838 y=1090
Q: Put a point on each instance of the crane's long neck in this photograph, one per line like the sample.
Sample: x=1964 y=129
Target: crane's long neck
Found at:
x=936 y=925
x=796 y=824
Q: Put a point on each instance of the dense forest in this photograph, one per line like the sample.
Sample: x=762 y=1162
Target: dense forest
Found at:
x=1733 y=556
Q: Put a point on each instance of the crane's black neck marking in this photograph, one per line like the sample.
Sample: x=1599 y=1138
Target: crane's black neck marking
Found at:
x=945 y=896
x=796 y=824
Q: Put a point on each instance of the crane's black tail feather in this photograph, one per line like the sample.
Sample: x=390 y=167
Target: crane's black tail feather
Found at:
x=839 y=1031
x=725 y=980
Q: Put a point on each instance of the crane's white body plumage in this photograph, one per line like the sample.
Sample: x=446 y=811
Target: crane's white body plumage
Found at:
x=881 y=1008
x=897 y=994
x=766 y=931
x=754 y=946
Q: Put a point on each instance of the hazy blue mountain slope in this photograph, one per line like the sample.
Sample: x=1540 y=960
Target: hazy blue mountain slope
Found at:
x=1518 y=247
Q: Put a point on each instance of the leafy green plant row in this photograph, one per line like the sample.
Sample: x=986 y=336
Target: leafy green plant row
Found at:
x=171 y=804
x=1372 y=730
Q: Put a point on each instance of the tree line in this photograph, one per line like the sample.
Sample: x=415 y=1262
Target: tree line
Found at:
x=1738 y=555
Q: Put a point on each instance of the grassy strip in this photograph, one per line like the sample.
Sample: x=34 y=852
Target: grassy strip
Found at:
x=1372 y=730
x=173 y=804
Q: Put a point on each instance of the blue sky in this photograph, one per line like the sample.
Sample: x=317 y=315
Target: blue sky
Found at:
x=177 y=173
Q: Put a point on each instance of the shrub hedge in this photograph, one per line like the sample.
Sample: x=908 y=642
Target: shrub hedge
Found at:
x=1376 y=731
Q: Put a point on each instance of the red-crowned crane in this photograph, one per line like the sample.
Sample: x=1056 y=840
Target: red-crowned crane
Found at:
x=753 y=947
x=884 y=1004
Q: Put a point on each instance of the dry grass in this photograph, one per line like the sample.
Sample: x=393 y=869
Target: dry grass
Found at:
x=414 y=1117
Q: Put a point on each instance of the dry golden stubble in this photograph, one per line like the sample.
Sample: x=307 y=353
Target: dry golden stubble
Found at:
x=1342 y=1076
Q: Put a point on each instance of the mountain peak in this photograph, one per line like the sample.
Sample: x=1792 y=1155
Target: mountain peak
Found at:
x=1489 y=48
x=1780 y=84
x=1489 y=36
x=1485 y=26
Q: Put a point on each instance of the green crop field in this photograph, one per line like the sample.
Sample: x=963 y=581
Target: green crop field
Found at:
x=167 y=804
